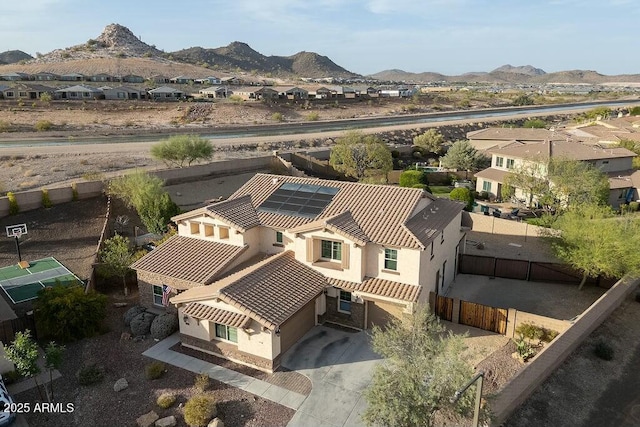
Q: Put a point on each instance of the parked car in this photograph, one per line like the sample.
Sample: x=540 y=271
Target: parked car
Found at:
x=6 y=404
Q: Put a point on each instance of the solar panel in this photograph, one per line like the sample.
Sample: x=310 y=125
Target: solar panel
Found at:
x=301 y=200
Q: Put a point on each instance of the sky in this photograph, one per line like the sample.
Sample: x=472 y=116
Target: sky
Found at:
x=364 y=36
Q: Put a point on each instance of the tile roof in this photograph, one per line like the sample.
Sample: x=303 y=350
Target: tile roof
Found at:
x=492 y=174
x=342 y=224
x=432 y=220
x=563 y=150
x=189 y=258
x=623 y=179
x=216 y=315
x=272 y=290
x=379 y=210
x=381 y=287
x=238 y=212
x=515 y=134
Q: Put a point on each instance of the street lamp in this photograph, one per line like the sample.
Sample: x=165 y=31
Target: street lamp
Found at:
x=476 y=414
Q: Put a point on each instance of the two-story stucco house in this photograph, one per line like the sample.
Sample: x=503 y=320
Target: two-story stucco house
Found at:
x=616 y=163
x=254 y=273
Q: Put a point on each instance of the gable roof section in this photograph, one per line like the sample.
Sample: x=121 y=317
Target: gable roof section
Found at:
x=342 y=224
x=432 y=220
x=563 y=149
x=380 y=211
x=188 y=258
x=381 y=287
x=238 y=213
x=514 y=134
x=492 y=174
x=216 y=315
x=273 y=290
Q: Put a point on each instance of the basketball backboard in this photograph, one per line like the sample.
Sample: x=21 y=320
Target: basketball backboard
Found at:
x=16 y=230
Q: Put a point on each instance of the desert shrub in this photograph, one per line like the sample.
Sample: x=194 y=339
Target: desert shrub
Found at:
x=166 y=400
x=535 y=123
x=313 y=117
x=4 y=126
x=535 y=332
x=133 y=312
x=634 y=206
x=635 y=111
x=524 y=349
x=43 y=125
x=13 y=203
x=412 y=177
x=603 y=350
x=74 y=192
x=462 y=194
x=154 y=370
x=277 y=117
x=67 y=313
x=199 y=410
x=236 y=99
x=202 y=382
x=164 y=325
x=91 y=374
x=46 y=201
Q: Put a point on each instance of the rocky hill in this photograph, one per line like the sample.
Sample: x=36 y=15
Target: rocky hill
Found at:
x=238 y=55
x=13 y=56
x=527 y=70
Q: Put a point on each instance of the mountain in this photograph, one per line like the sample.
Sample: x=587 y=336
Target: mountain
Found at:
x=527 y=70
x=13 y=56
x=404 y=76
x=238 y=55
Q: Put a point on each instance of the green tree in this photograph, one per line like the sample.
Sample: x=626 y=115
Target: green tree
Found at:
x=145 y=194
x=530 y=178
x=431 y=140
x=463 y=194
x=67 y=313
x=23 y=353
x=423 y=369
x=414 y=179
x=360 y=156
x=463 y=156
x=181 y=150
x=535 y=124
x=598 y=112
x=116 y=258
x=52 y=360
x=593 y=240
x=576 y=182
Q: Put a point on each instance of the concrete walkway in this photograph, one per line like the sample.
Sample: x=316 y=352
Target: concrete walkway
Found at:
x=162 y=352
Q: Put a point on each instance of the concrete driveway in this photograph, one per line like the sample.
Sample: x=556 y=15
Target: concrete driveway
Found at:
x=340 y=364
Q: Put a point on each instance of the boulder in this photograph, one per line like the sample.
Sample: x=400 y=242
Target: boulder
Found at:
x=120 y=385
x=169 y=421
x=133 y=312
x=164 y=325
x=141 y=324
x=147 y=419
x=216 y=422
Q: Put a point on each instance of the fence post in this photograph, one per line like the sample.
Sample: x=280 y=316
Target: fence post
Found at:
x=511 y=322
x=455 y=312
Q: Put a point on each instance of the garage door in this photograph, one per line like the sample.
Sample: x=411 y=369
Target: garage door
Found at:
x=381 y=312
x=297 y=325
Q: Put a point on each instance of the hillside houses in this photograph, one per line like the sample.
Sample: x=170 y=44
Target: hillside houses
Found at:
x=249 y=276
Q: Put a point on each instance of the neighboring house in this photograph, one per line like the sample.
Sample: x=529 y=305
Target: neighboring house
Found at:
x=615 y=162
x=183 y=80
x=320 y=92
x=132 y=78
x=254 y=93
x=214 y=92
x=102 y=77
x=211 y=80
x=26 y=91
x=79 y=92
x=492 y=138
x=166 y=93
x=232 y=81
x=400 y=92
x=44 y=76
x=2 y=89
x=288 y=92
x=13 y=76
x=160 y=79
x=255 y=272
x=124 y=93
x=72 y=77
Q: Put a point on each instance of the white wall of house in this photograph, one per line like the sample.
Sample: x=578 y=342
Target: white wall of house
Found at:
x=207 y=228
x=408 y=264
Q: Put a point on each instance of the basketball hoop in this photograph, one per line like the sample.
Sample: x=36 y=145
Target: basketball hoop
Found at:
x=17 y=231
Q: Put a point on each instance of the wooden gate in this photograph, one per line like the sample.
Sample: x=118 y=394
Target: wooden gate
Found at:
x=484 y=317
x=444 y=308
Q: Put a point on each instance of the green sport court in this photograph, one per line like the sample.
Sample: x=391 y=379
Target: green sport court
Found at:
x=22 y=285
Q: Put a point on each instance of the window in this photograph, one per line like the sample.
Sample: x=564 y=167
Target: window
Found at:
x=194 y=227
x=23 y=94
x=224 y=232
x=391 y=259
x=279 y=238
x=510 y=163
x=225 y=332
x=499 y=161
x=86 y=94
x=331 y=250
x=344 y=302
x=73 y=94
x=208 y=230
x=486 y=186
x=157 y=295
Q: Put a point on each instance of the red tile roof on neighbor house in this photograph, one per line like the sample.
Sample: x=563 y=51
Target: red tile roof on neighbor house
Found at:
x=186 y=258
x=216 y=315
x=379 y=211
